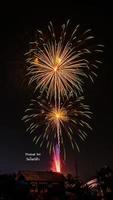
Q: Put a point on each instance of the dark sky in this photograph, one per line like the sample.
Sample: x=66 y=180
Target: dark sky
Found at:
x=18 y=26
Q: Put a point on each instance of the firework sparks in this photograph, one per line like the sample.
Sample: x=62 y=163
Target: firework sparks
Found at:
x=59 y=63
x=71 y=119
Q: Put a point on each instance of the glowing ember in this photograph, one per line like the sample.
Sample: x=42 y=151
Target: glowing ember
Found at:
x=56 y=165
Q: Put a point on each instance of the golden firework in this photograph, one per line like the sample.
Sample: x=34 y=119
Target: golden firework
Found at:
x=59 y=63
x=49 y=124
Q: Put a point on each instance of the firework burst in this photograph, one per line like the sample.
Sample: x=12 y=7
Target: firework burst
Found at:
x=59 y=64
x=42 y=120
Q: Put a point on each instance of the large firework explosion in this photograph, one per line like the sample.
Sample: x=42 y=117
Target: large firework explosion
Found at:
x=58 y=63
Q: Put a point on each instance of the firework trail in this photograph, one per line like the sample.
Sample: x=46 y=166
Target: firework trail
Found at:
x=56 y=165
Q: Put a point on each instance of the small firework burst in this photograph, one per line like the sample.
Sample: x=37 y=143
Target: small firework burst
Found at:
x=42 y=120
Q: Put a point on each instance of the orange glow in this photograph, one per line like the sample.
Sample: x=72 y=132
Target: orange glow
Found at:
x=36 y=61
x=55 y=69
x=58 y=114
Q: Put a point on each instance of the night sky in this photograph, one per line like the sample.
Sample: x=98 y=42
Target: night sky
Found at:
x=18 y=27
